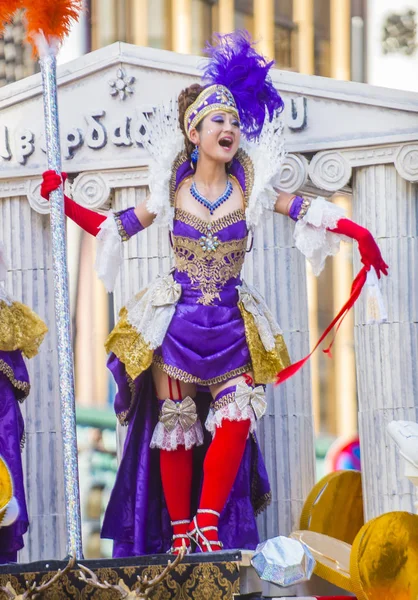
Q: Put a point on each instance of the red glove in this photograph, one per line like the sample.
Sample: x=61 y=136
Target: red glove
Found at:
x=369 y=250
x=87 y=219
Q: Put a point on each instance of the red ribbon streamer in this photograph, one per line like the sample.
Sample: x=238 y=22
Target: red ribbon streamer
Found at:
x=356 y=288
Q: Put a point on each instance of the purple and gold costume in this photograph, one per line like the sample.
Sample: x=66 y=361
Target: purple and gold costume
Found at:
x=210 y=338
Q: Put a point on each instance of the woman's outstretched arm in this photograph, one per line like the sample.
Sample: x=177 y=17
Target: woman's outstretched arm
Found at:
x=322 y=215
x=129 y=222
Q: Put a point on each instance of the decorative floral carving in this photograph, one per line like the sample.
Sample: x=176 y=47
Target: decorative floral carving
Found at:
x=122 y=85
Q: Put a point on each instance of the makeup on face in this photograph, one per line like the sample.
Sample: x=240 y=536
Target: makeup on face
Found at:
x=220 y=118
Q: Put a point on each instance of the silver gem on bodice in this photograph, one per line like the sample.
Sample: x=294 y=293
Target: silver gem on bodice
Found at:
x=209 y=242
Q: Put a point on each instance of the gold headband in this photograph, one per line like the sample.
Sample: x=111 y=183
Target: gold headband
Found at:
x=211 y=99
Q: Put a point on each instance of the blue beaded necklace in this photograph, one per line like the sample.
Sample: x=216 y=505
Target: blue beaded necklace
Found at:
x=211 y=206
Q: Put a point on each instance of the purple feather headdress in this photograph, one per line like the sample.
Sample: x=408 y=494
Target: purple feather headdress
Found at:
x=234 y=63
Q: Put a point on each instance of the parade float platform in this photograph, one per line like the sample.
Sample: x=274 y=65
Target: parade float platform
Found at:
x=218 y=576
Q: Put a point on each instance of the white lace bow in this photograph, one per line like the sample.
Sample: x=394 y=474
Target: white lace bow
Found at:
x=255 y=397
x=151 y=313
x=175 y=413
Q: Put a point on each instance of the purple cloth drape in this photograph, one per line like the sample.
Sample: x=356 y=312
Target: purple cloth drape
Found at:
x=12 y=373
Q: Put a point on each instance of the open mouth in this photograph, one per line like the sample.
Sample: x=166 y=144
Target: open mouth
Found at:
x=226 y=142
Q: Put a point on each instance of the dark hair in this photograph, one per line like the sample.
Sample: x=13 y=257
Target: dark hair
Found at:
x=186 y=98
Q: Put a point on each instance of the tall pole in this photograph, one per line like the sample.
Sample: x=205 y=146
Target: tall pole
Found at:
x=61 y=297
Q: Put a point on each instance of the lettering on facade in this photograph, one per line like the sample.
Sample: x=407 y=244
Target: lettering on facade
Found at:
x=99 y=131
x=298 y=118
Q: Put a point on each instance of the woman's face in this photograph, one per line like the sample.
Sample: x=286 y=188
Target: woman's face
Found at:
x=218 y=136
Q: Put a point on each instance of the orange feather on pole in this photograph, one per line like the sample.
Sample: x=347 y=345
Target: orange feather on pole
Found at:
x=8 y=9
x=51 y=17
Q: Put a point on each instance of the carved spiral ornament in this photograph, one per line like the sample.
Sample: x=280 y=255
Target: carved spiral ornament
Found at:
x=91 y=190
x=330 y=171
x=37 y=203
x=294 y=173
x=406 y=162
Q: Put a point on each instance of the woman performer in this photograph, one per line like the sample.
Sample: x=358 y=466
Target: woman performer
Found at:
x=206 y=337
x=21 y=333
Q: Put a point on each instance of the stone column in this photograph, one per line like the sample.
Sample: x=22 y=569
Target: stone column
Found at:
x=387 y=354
x=278 y=271
x=181 y=31
x=264 y=26
x=226 y=16
x=26 y=235
x=340 y=39
x=303 y=16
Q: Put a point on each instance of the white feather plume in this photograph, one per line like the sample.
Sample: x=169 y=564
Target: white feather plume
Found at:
x=161 y=136
x=267 y=154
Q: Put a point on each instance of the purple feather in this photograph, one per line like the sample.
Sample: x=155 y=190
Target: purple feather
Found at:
x=234 y=63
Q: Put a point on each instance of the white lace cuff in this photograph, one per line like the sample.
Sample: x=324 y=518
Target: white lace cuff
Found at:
x=170 y=440
x=311 y=233
x=109 y=252
x=230 y=412
x=242 y=404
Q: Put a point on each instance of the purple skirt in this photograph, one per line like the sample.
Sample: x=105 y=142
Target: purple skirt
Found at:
x=205 y=344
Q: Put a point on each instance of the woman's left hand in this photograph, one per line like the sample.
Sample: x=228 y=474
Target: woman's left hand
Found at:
x=368 y=248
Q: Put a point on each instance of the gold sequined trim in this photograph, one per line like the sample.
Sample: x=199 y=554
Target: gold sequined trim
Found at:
x=123 y=416
x=180 y=159
x=22 y=386
x=188 y=218
x=176 y=373
x=247 y=164
x=129 y=346
x=20 y=329
x=265 y=364
x=121 y=229
x=305 y=206
x=209 y=271
x=222 y=402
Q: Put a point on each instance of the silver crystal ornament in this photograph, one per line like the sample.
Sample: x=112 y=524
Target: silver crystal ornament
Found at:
x=283 y=561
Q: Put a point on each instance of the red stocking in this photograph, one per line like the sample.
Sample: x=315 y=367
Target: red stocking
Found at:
x=176 y=475
x=220 y=469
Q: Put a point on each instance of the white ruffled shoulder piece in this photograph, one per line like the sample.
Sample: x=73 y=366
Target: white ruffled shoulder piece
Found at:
x=151 y=313
x=161 y=136
x=109 y=252
x=311 y=233
x=267 y=155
